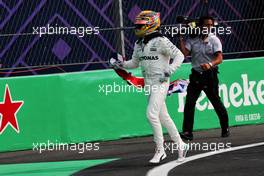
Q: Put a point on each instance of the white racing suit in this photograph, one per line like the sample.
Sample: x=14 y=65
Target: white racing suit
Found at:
x=154 y=59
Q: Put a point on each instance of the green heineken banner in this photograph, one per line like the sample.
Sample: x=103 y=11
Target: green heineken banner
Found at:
x=98 y=105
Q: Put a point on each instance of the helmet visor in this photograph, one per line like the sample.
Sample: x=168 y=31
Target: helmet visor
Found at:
x=139 y=26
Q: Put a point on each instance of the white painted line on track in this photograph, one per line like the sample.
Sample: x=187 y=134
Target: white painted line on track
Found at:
x=164 y=169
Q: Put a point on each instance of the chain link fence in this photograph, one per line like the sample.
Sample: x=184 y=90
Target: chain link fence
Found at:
x=110 y=29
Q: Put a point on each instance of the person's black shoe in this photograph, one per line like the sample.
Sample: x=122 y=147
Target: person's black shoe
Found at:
x=225 y=133
x=187 y=136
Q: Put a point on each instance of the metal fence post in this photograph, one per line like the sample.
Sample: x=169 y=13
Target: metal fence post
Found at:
x=120 y=42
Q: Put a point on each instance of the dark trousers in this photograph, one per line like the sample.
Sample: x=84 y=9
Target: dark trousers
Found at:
x=208 y=82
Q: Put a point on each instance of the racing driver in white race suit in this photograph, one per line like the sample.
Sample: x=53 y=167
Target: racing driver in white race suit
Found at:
x=153 y=52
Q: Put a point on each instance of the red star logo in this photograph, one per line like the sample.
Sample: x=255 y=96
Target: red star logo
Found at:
x=8 y=111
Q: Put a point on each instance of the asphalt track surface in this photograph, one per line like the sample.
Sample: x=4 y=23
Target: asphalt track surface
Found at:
x=132 y=156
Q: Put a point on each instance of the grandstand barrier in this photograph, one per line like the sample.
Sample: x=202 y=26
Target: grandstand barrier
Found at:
x=73 y=107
